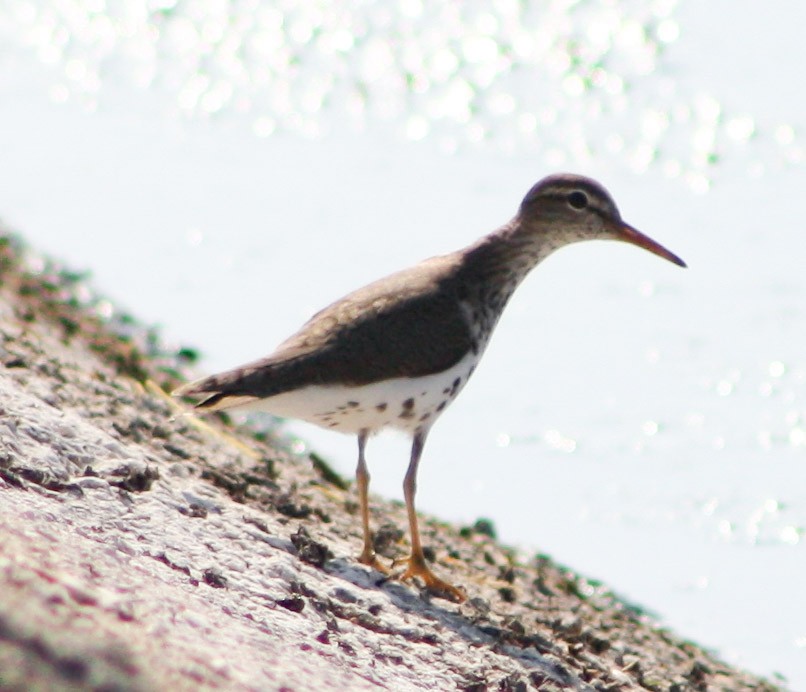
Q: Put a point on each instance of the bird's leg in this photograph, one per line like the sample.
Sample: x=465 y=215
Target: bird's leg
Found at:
x=417 y=566
x=367 y=556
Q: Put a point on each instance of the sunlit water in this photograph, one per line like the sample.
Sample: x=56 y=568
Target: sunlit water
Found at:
x=226 y=168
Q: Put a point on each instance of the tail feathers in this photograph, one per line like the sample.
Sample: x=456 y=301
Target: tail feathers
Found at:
x=214 y=399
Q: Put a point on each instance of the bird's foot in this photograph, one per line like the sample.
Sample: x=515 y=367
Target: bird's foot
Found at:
x=369 y=558
x=416 y=567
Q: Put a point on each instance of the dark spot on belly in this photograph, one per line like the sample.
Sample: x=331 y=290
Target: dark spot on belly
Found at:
x=446 y=391
x=425 y=417
x=408 y=409
x=333 y=424
x=455 y=386
x=381 y=407
x=470 y=372
x=352 y=404
x=442 y=405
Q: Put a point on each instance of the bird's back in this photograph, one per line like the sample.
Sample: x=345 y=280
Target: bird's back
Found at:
x=406 y=325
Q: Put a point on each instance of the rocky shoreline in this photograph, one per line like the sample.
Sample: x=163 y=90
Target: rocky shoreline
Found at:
x=143 y=549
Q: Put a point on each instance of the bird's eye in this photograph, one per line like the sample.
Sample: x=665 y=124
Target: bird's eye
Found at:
x=578 y=199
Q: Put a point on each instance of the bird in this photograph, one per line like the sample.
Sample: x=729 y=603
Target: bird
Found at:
x=396 y=353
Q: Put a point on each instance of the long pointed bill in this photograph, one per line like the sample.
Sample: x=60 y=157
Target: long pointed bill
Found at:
x=629 y=234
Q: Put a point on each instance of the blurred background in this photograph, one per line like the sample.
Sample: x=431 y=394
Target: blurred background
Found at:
x=225 y=168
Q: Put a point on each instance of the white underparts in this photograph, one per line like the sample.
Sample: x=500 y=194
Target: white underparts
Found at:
x=402 y=403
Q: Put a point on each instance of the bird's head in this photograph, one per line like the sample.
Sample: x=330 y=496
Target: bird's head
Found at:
x=567 y=208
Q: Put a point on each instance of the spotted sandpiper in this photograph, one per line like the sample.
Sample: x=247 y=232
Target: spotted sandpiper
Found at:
x=395 y=353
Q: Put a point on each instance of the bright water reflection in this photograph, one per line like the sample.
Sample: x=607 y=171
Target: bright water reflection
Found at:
x=566 y=81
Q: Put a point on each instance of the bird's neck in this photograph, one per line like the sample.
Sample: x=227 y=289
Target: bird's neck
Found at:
x=493 y=267
x=499 y=262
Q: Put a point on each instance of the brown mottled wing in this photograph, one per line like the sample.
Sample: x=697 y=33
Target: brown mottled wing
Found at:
x=409 y=324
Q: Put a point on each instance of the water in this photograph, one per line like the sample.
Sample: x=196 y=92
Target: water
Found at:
x=227 y=168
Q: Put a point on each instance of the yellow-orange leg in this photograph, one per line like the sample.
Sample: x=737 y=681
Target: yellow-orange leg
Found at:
x=417 y=566
x=367 y=556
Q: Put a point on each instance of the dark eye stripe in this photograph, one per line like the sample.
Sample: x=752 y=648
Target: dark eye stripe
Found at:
x=596 y=200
